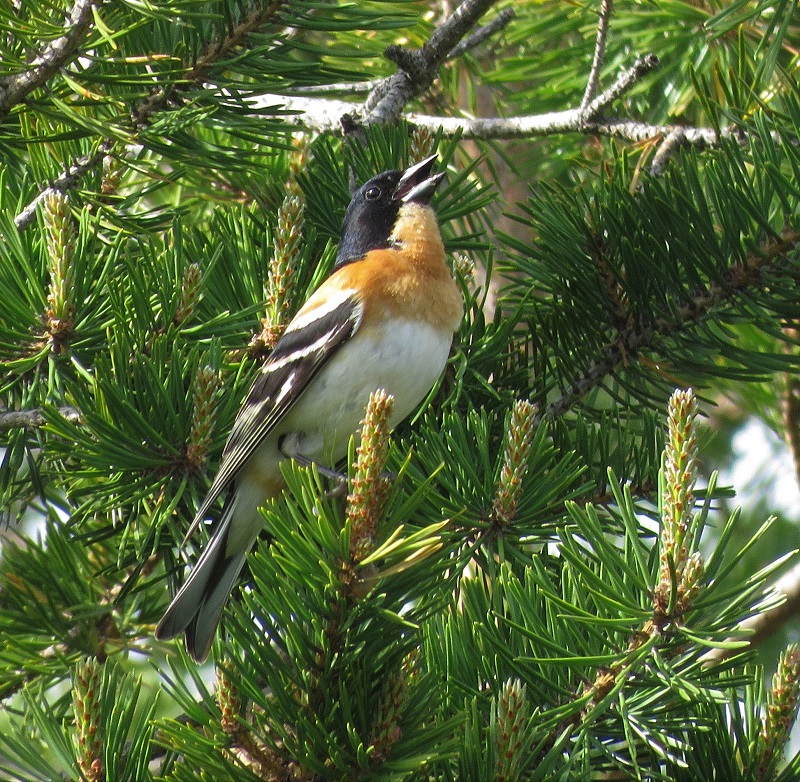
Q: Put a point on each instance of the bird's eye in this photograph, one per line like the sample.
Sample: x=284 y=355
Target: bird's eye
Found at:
x=373 y=194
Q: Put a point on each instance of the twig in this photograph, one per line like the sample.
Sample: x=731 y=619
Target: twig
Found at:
x=64 y=181
x=477 y=37
x=593 y=82
x=15 y=87
x=482 y=33
x=418 y=68
x=674 y=139
x=626 y=79
x=31 y=419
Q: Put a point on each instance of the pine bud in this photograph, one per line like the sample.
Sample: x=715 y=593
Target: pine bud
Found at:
x=680 y=566
x=61 y=236
x=680 y=470
x=86 y=684
x=782 y=704
x=204 y=416
x=368 y=487
x=515 y=462
x=280 y=278
x=422 y=144
x=299 y=161
x=463 y=267
x=229 y=702
x=191 y=293
x=112 y=173
x=511 y=713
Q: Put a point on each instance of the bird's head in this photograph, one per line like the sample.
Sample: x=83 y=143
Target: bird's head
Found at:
x=371 y=217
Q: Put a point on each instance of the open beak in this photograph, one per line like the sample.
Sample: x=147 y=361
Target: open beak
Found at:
x=417 y=184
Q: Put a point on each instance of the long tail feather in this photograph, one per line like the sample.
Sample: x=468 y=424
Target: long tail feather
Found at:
x=197 y=607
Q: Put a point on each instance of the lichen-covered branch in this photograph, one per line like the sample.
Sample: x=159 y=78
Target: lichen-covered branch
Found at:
x=14 y=88
x=31 y=419
x=593 y=82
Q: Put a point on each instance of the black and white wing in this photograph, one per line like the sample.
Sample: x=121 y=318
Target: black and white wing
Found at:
x=311 y=339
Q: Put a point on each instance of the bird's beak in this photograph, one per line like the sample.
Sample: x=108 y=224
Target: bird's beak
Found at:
x=417 y=185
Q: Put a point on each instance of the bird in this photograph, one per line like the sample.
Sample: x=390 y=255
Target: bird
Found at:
x=384 y=318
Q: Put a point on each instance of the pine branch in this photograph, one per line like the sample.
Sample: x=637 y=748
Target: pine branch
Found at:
x=680 y=577
x=159 y=99
x=216 y=51
x=632 y=340
x=14 y=88
x=31 y=419
x=418 y=69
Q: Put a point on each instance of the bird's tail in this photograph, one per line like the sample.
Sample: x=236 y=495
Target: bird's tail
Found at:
x=197 y=608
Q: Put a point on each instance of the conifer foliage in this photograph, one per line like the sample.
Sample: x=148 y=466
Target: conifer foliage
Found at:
x=531 y=579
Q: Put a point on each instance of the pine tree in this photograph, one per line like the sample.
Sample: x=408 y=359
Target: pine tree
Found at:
x=547 y=586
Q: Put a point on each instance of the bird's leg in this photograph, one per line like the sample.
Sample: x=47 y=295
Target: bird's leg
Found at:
x=339 y=478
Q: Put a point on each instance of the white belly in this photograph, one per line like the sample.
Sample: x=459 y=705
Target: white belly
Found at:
x=406 y=362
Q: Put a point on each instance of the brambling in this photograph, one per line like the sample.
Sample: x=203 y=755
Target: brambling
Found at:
x=384 y=318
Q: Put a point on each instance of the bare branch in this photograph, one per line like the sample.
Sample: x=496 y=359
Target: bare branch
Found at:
x=593 y=82
x=418 y=68
x=477 y=37
x=524 y=126
x=323 y=116
x=641 y=68
x=31 y=419
x=16 y=87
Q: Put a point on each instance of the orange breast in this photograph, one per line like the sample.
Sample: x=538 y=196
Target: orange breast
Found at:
x=411 y=280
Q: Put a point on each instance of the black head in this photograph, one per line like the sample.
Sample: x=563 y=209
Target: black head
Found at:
x=370 y=218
